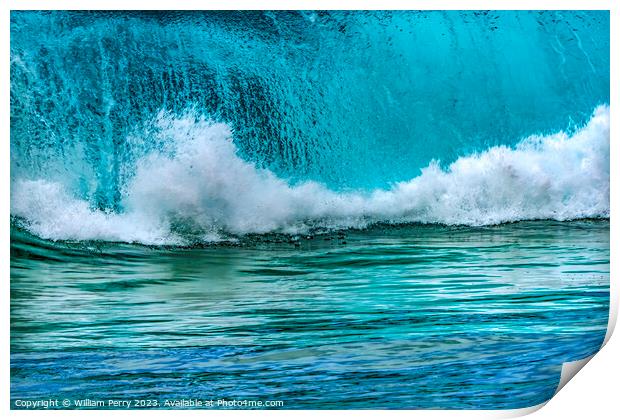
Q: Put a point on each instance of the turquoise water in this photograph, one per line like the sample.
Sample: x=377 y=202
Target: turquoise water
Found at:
x=339 y=209
x=349 y=99
x=392 y=317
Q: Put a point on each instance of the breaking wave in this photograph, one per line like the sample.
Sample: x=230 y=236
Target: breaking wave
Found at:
x=196 y=188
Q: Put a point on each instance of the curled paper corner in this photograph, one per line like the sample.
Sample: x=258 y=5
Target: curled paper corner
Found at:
x=613 y=316
x=569 y=370
x=520 y=412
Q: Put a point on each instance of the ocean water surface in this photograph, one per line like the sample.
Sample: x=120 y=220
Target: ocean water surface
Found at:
x=391 y=317
x=341 y=209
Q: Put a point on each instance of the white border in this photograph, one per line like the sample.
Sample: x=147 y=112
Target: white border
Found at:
x=593 y=393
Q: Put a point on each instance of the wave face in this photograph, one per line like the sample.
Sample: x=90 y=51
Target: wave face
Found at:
x=185 y=127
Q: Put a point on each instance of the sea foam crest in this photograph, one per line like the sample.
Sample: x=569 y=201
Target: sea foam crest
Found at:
x=200 y=190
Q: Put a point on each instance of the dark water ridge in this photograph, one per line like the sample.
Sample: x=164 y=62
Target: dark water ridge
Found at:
x=416 y=316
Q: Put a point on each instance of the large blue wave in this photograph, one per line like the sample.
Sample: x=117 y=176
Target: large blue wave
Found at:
x=348 y=105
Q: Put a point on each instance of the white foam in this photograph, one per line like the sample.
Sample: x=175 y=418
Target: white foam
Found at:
x=199 y=189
